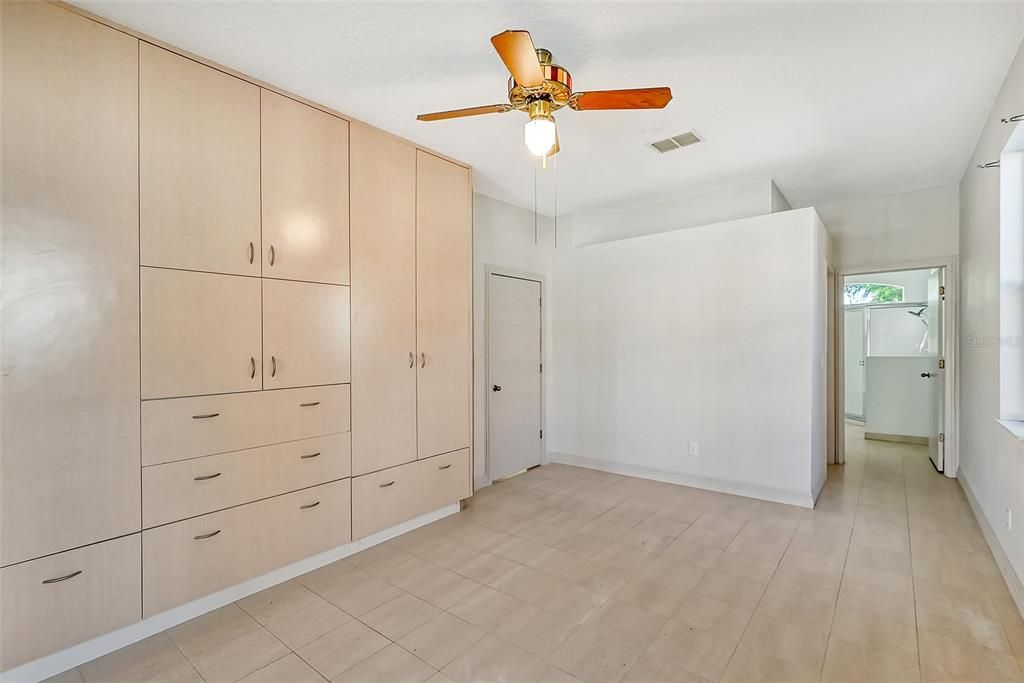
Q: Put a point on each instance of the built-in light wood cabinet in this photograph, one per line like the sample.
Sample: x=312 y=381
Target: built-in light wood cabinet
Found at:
x=444 y=335
x=199 y=159
x=304 y=191
x=305 y=334
x=383 y=300
x=69 y=466
x=64 y=599
x=200 y=333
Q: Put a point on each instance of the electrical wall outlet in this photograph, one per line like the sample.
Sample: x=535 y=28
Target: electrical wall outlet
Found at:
x=694 y=450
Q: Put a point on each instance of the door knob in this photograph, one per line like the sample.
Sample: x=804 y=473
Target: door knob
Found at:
x=926 y=375
x=496 y=387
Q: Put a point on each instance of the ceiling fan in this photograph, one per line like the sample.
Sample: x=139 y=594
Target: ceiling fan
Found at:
x=539 y=87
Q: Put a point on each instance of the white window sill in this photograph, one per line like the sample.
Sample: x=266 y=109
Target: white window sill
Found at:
x=1015 y=427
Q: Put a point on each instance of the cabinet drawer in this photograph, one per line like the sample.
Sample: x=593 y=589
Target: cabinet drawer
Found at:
x=445 y=479
x=193 y=558
x=181 y=428
x=187 y=488
x=383 y=499
x=41 y=612
x=389 y=497
x=200 y=333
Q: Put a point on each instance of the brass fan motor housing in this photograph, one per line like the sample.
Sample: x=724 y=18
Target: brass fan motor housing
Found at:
x=557 y=87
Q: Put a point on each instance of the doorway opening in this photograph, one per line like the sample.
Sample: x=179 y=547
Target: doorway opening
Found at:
x=894 y=362
x=515 y=387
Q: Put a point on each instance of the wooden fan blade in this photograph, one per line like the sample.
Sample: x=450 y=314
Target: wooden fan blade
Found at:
x=516 y=49
x=469 y=111
x=639 y=98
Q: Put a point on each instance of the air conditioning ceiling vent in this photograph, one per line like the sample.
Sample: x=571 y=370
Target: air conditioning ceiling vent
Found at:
x=675 y=142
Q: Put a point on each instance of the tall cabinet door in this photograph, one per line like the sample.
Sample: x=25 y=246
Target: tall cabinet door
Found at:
x=444 y=262
x=305 y=334
x=199 y=161
x=69 y=466
x=305 y=191
x=383 y=300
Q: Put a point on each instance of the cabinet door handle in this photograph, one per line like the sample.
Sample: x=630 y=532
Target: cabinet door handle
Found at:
x=384 y=486
x=252 y=367
x=202 y=537
x=252 y=252
x=273 y=366
x=206 y=477
x=444 y=467
x=309 y=405
x=205 y=416
x=423 y=360
x=63 y=578
x=309 y=455
x=412 y=359
x=272 y=255
x=309 y=505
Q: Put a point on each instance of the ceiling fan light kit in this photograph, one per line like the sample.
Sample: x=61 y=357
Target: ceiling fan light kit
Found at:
x=539 y=87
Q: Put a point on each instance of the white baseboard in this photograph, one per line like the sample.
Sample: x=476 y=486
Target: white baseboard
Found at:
x=481 y=483
x=58 y=662
x=789 y=497
x=1013 y=581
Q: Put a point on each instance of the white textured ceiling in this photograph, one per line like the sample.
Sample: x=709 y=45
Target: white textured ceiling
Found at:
x=834 y=101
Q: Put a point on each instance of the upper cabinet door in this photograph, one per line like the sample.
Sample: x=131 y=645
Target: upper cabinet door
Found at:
x=305 y=192
x=199 y=157
x=383 y=301
x=444 y=274
x=305 y=334
x=200 y=333
x=69 y=465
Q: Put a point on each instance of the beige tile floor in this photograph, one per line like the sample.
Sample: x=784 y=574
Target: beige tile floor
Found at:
x=567 y=574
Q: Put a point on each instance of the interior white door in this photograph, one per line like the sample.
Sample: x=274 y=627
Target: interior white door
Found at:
x=513 y=375
x=936 y=375
x=853 y=345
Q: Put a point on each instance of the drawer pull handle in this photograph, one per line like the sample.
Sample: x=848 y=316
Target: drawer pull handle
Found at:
x=273 y=255
x=309 y=405
x=207 y=416
x=412 y=359
x=423 y=360
x=309 y=455
x=63 y=578
x=384 y=486
x=273 y=366
x=444 y=467
x=252 y=367
x=310 y=505
x=202 y=537
x=252 y=252
x=205 y=477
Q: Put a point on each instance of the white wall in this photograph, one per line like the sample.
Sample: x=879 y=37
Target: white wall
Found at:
x=752 y=199
x=696 y=335
x=895 y=229
x=991 y=459
x=503 y=235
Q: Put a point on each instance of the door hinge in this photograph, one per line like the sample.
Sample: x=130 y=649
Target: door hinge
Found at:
x=942 y=364
x=542 y=433
x=942 y=290
x=542 y=367
x=942 y=438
